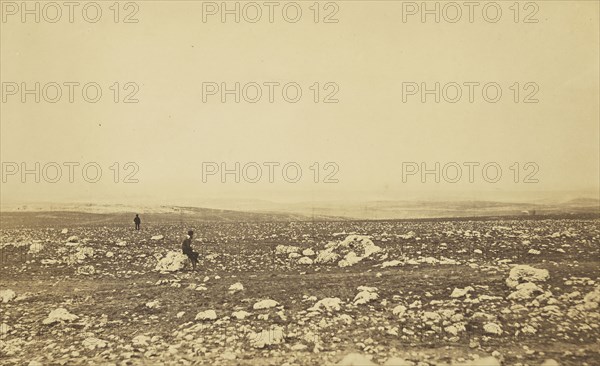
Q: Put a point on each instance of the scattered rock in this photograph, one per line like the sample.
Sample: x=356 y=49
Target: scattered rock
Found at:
x=329 y=304
x=86 y=270
x=305 y=261
x=153 y=304
x=525 y=291
x=308 y=252
x=394 y=263
x=35 y=248
x=265 y=304
x=524 y=273
x=460 y=292
x=591 y=300
x=236 y=287
x=286 y=249
x=141 y=340
x=352 y=250
x=172 y=262
x=326 y=257
x=366 y=294
x=399 y=311
x=550 y=362
x=91 y=343
x=4 y=329
x=492 y=328
x=265 y=338
x=73 y=239
x=240 y=315
x=7 y=295
x=59 y=315
x=206 y=315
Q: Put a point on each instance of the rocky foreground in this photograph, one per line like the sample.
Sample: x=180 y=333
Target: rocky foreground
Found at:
x=339 y=293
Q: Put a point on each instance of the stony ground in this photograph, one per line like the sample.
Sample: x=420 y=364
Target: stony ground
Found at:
x=433 y=293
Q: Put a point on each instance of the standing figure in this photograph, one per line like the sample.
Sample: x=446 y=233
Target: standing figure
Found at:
x=137 y=221
x=186 y=247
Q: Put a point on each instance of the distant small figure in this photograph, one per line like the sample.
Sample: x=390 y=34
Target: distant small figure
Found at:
x=186 y=247
x=137 y=221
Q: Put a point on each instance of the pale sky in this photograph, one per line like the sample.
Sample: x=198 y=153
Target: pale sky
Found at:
x=369 y=133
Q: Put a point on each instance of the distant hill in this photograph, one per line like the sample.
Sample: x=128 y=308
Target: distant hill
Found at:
x=91 y=215
x=583 y=202
x=415 y=209
x=248 y=211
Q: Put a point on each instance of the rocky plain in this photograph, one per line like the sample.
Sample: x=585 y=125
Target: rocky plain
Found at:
x=423 y=292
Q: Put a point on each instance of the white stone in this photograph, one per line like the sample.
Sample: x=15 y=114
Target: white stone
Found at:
x=35 y=248
x=286 y=249
x=492 y=328
x=399 y=311
x=350 y=259
x=525 y=273
x=86 y=270
x=308 y=252
x=364 y=297
x=153 y=304
x=59 y=315
x=91 y=343
x=206 y=315
x=236 y=287
x=305 y=261
x=460 y=292
x=141 y=341
x=265 y=304
x=550 y=362
x=326 y=256
x=265 y=338
x=240 y=315
x=172 y=262
x=328 y=304
x=394 y=263
x=525 y=291
x=7 y=295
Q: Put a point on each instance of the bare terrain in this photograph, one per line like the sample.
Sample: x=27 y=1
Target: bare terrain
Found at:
x=86 y=289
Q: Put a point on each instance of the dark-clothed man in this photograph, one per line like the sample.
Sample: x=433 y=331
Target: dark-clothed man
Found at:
x=186 y=247
x=137 y=221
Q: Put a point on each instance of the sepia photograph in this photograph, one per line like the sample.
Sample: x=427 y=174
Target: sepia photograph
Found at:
x=300 y=183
